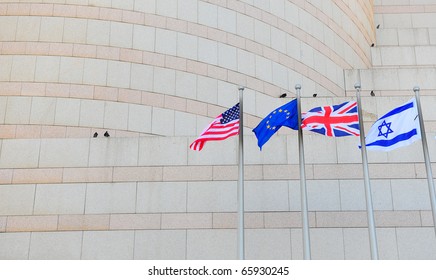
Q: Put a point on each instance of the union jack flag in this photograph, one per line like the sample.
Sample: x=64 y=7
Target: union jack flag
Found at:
x=334 y=121
x=222 y=127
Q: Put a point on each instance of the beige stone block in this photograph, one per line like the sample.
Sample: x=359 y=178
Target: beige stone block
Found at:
x=91 y=113
x=23 y=68
x=282 y=172
x=32 y=223
x=108 y=245
x=53 y=132
x=266 y=196
x=40 y=175
x=338 y=171
x=59 y=199
x=218 y=196
x=225 y=220
x=55 y=246
x=135 y=221
x=25 y=131
x=110 y=198
x=19 y=153
x=14 y=246
x=187 y=173
x=64 y=153
x=186 y=221
x=397 y=218
x=158 y=197
x=83 y=222
x=71 y=70
x=160 y=245
x=327 y=244
x=416 y=243
x=134 y=174
x=17 y=199
x=268 y=244
x=43 y=110
x=341 y=219
x=211 y=244
x=82 y=175
x=282 y=219
x=229 y=172
x=6 y=176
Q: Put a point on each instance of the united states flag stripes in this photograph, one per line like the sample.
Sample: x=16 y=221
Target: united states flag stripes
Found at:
x=222 y=127
x=334 y=121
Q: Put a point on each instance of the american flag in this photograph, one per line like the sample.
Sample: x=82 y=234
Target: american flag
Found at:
x=334 y=121
x=222 y=127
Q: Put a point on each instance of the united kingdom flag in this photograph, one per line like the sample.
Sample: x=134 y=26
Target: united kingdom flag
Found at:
x=334 y=121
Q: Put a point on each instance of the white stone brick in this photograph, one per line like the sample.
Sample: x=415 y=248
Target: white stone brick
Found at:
x=187 y=46
x=64 y=152
x=9 y=28
x=104 y=198
x=23 y=68
x=219 y=196
x=18 y=110
x=227 y=56
x=160 y=244
x=390 y=37
x=164 y=81
x=245 y=26
x=121 y=35
x=356 y=244
x=246 y=62
x=263 y=69
x=144 y=37
x=410 y=194
x=166 y=41
x=16 y=199
x=98 y=32
x=207 y=89
x=108 y=245
x=146 y=6
x=167 y=8
x=47 y=69
x=116 y=115
x=208 y=51
x=187 y=10
x=52 y=29
x=14 y=245
x=95 y=72
x=271 y=244
x=227 y=20
x=114 y=152
x=75 y=30
x=262 y=33
x=161 y=197
x=327 y=244
x=91 y=113
x=162 y=151
x=118 y=74
x=72 y=70
x=214 y=152
x=3 y=103
x=162 y=122
x=67 y=112
x=139 y=118
x=123 y=5
x=266 y=196
x=28 y=28
x=55 y=246
x=141 y=77
x=43 y=110
x=186 y=85
x=185 y=124
x=323 y=195
x=19 y=153
x=207 y=14
x=59 y=199
x=211 y=244
x=416 y=243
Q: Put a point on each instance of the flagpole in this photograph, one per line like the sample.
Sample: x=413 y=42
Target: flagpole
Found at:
x=368 y=194
x=426 y=157
x=241 y=242
x=304 y=207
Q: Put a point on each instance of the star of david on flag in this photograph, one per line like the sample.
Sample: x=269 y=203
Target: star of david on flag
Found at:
x=286 y=115
x=334 y=121
x=397 y=128
x=222 y=127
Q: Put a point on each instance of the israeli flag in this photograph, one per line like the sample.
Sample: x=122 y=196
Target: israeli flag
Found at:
x=397 y=128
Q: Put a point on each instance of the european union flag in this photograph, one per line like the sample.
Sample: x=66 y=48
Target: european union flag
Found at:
x=286 y=115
